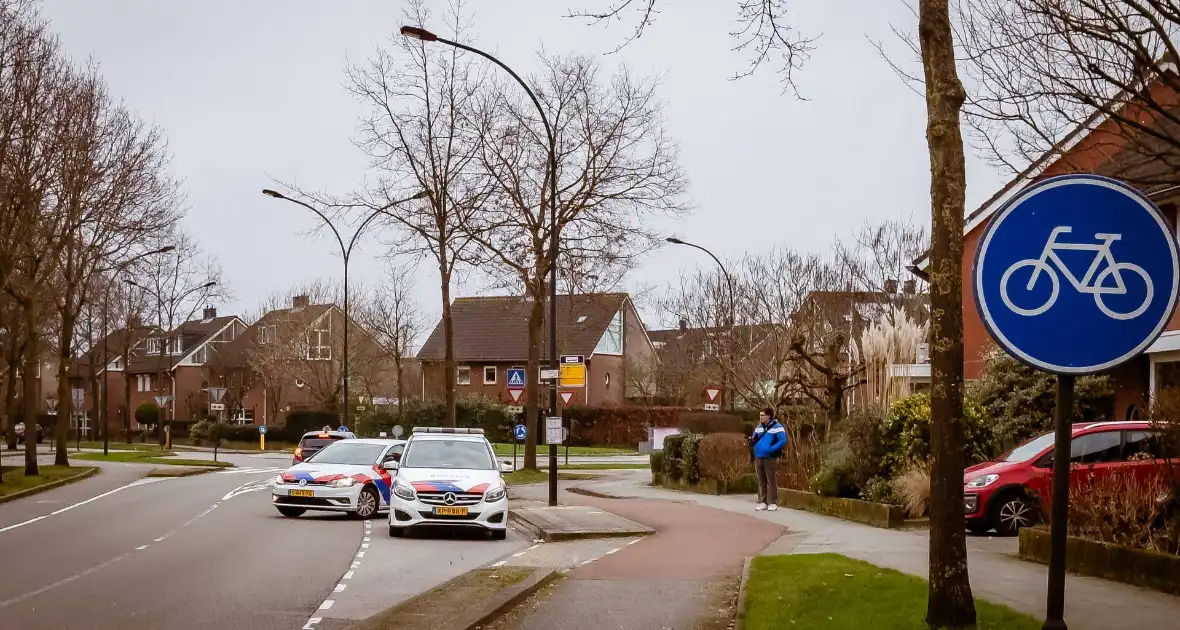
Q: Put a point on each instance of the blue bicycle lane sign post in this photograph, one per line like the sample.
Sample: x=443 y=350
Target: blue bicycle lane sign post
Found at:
x=1075 y=275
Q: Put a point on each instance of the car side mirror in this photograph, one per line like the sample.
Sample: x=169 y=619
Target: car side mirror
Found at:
x=507 y=467
x=392 y=464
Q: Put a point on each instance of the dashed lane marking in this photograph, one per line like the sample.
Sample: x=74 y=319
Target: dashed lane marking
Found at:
x=339 y=588
x=327 y=605
x=310 y=625
x=141 y=482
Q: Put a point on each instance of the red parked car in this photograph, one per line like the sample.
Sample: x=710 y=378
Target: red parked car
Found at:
x=1001 y=495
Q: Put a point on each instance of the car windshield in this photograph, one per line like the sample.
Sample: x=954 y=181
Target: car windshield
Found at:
x=349 y=452
x=465 y=454
x=1029 y=450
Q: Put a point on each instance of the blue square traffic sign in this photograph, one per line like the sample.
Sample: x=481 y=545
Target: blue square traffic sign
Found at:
x=516 y=378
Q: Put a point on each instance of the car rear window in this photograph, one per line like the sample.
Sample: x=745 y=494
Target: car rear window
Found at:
x=317 y=443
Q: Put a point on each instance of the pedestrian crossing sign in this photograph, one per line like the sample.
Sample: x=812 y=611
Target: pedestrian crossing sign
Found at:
x=516 y=378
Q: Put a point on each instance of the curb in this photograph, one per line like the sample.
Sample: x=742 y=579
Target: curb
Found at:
x=595 y=493
x=526 y=527
x=507 y=599
x=89 y=472
x=538 y=533
x=181 y=471
x=740 y=617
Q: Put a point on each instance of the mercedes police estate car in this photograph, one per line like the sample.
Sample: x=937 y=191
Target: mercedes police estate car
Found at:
x=448 y=477
x=350 y=475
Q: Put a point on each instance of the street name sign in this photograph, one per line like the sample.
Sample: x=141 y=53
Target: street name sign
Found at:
x=549 y=375
x=514 y=409
x=712 y=407
x=1076 y=274
x=216 y=406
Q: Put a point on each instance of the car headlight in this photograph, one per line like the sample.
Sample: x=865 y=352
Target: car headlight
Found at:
x=403 y=491
x=983 y=481
x=494 y=494
x=343 y=482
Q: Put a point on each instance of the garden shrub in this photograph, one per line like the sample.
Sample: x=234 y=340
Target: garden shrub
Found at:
x=673 y=465
x=199 y=431
x=802 y=460
x=724 y=457
x=707 y=422
x=913 y=488
x=617 y=426
x=862 y=431
x=906 y=434
x=471 y=412
x=656 y=459
x=835 y=475
x=879 y=490
x=690 y=468
x=1126 y=510
x=147 y=413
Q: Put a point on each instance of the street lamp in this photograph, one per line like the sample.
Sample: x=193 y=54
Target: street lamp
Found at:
x=346 y=252
x=725 y=385
x=426 y=36
x=106 y=345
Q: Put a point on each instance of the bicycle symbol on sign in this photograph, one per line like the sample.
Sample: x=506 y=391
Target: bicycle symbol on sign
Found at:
x=1093 y=282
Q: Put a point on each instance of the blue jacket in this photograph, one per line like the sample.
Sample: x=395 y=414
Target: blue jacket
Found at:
x=769 y=440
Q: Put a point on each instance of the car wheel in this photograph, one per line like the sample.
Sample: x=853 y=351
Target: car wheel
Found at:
x=367 y=503
x=290 y=512
x=397 y=532
x=499 y=534
x=1011 y=513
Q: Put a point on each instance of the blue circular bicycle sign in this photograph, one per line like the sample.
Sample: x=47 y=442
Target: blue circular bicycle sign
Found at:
x=1077 y=274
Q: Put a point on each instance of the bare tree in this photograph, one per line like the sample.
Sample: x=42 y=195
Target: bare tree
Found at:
x=950 y=603
x=393 y=319
x=419 y=137
x=1044 y=73
x=616 y=169
x=877 y=260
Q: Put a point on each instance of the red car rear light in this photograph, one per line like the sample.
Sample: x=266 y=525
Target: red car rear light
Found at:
x=299 y=453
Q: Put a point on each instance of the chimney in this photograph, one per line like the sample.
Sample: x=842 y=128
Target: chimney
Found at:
x=210 y=312
x=684 y=325
x=891 y=286
x=300 y=301
x=909 y=287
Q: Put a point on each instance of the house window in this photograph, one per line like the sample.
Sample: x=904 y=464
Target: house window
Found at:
x=489 y=375
x=319 y=341
x=923 y=353
x=244 y=417
x=144 y=382
x=463 y=375
x=176 y=345
x=267 y=334
x=152 y=346
x=612 y=339
x=198 y=357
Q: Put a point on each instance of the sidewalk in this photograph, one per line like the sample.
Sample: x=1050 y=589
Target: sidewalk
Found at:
x=672 y=579
x=996 y=574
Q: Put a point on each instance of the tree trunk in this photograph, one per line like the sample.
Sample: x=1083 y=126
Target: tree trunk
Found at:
x=128 y=412
x=10 y=408
x=950 y=603
x=450 y=418
x=29 y=384
x=532 y=389
x=65 y=401
x=401 y=393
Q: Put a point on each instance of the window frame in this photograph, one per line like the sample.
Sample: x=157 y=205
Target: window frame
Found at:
x=495 y=374
x=459 y=369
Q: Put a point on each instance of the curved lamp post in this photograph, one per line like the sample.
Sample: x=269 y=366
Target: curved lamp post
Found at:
x=427 y=36
x=346 y=253
x=729 y=395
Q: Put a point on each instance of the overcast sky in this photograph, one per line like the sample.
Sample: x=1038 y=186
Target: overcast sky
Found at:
x=250 y=91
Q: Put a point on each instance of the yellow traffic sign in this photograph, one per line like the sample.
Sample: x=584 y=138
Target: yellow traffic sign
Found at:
x=572 y=375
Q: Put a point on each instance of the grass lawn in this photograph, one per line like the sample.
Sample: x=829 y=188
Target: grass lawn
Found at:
x=525 y=475
x=579 y=451
x=118 y=446
x=245 y=446
x=600 y=466
x=16 y=481
x=833 y=592
x=167 y=458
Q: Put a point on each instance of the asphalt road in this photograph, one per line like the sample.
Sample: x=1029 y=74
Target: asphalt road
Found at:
x=119 y=552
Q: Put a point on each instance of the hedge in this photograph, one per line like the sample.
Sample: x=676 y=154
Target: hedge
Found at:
x=471 y=412
x=1151 y=569
x=617 y=426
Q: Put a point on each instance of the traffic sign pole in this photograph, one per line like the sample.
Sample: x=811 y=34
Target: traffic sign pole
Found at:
x=1046 y=309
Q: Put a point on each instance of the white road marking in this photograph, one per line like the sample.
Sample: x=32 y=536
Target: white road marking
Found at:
x=533 y=547
x=354 y=565
x=634 y=541
x=519 y=554
x=159 y=539
x=311 y=623
x=588 y=561
x=339 y=588
x=360 y=554
x=327 y=604
x=500 y=563
x=611 y=551
x=347 y=576
x=43 y=589
x=368 y=539
x=141 y=482
x=364 y=545
x=141 y=547
x=248 y=471
x=251 y=486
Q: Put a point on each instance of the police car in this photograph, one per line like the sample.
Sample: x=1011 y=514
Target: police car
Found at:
x=348 y=475
x=448 y=477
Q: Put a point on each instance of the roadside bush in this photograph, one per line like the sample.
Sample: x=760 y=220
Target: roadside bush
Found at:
x=689 y=463
x=913 y=488
x=199 y=432
x=802 y=460
x=1125 y=510
x=617 y=426
x=879 y=490
x=301 y=421
x=656 y=459
x=471 y=412
x=905 y=435
x=835 y=474
x=147 y=413
x=862 y=430
x=707 y=422
x=724 y=457
x=673 y=465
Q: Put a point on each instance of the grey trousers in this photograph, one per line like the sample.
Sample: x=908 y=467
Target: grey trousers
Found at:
x=765 y=469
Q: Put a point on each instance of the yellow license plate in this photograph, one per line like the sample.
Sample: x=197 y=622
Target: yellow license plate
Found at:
x=302 y=493
x=450 y=511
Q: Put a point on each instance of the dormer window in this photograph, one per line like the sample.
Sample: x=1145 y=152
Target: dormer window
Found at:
x=152 y=346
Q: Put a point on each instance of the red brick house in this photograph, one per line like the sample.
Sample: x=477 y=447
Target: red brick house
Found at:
x=117 y=344
x=491 y=336
x=1098 y=146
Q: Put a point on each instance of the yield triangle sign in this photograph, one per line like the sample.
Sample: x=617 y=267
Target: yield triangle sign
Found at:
x=566 y=396
x=712 y=393
x=515 y=393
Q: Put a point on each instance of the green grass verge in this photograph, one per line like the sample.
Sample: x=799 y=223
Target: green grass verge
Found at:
x=834 y=592
x=603 y=466
x=580 y=451
x=525 y=475
x=159 y=457
x=118 y=446
x=16 y=481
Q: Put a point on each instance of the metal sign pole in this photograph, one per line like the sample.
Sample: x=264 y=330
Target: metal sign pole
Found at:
x=1059 y=515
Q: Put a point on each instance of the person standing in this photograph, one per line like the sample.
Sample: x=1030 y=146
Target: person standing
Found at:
x=769 y=440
